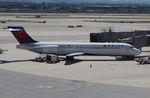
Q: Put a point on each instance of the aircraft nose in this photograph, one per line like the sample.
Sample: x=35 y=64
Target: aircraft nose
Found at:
x=137 y=51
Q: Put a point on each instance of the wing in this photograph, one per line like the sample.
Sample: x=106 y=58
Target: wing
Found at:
x=75 y=54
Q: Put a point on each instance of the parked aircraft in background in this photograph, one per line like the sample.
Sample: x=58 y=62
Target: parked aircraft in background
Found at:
x=70 y=49
x=2 y=51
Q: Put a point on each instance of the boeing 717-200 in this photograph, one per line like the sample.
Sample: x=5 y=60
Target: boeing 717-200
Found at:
x=70 y=49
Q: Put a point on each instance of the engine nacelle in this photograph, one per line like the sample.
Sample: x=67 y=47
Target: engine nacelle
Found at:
x=50 y=49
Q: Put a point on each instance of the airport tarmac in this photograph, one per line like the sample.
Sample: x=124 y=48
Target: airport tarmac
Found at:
x=107 y=77
x=19 y=85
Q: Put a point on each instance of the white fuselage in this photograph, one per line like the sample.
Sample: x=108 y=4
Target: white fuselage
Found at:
x=105 y=49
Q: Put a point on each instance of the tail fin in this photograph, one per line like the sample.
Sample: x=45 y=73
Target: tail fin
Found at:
x=21 y=35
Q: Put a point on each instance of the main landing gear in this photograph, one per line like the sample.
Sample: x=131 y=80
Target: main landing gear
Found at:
x=70 y=58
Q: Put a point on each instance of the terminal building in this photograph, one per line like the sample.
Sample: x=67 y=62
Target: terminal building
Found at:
x=137 y=38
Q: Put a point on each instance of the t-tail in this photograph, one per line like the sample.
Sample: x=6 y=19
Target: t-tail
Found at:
x=21 y=35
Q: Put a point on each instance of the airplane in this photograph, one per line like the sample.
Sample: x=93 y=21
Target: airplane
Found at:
x=71 y=49
x=2 y=51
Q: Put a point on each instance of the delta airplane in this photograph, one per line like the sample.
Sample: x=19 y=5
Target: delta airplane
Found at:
x=70 y=49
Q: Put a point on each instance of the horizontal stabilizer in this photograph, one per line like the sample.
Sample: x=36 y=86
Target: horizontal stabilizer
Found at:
x=11 y=29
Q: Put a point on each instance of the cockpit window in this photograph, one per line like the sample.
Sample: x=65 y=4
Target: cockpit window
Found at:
x=131 y=47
